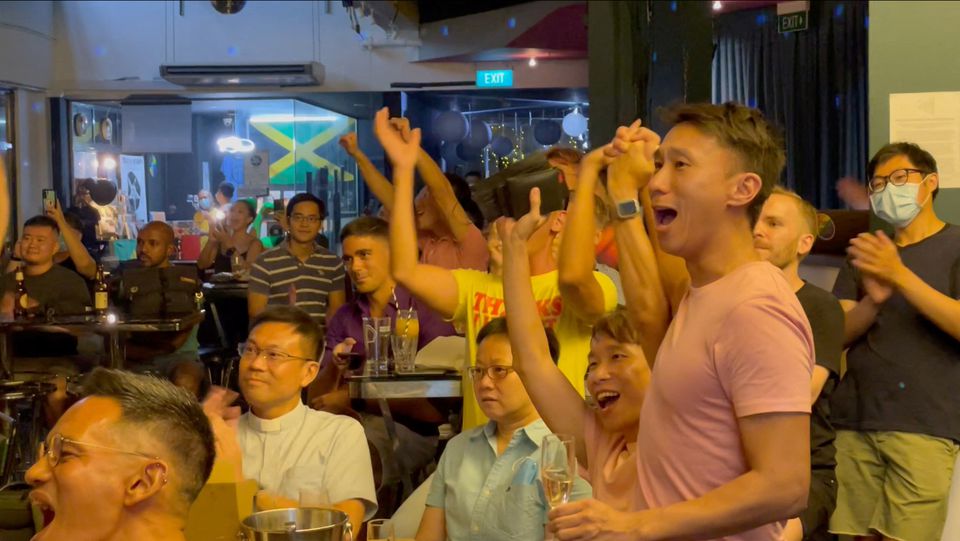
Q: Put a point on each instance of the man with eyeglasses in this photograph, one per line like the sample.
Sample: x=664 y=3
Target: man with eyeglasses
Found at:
x=896 y=406
x=126 y=462
x=299 y=272
x=287 y=447
x=486 y=486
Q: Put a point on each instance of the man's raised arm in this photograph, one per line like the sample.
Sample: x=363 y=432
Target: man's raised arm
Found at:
x=433 y=285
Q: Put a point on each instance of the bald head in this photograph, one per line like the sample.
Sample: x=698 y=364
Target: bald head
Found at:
x=161 y=228
x=155 y=245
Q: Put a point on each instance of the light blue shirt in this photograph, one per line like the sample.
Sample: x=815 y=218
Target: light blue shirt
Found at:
x=486 y=497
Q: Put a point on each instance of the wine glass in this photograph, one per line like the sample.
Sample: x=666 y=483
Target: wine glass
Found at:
x=558 y=468
x=380 y=530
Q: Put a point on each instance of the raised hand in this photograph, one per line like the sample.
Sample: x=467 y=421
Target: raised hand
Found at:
x=54 y=211
x=633 y=154
x=878 y=291
x=219 y=233
x=877 y=256
x=218 y=403
x=402 y=125
x=349 y=143
x=402 y=153
x=521 y=230
x=597 y=160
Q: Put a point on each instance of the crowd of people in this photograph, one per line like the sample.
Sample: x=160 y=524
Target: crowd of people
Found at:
x=711 y=404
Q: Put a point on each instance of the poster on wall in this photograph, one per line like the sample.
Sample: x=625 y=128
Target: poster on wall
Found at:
x=256 y=174
x=931 y=120
x=132 y=175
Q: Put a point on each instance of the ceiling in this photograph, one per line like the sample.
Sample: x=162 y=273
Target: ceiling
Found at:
x=438 y=10
x=518 y=100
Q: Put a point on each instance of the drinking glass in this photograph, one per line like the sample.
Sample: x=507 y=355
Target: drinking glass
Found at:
x=558 y=468
x=380 y=530
x=406 y=332
x=376 y=339
x=236 y=263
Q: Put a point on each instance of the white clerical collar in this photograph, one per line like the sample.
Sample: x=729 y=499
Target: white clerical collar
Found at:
x=292 y=419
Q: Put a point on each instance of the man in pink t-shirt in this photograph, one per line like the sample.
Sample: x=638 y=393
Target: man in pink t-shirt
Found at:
x=723 y=441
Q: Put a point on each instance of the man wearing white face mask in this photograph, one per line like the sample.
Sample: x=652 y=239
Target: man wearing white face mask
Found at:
x=896 y=407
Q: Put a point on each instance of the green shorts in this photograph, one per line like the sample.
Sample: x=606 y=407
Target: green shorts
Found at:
x=892 y=483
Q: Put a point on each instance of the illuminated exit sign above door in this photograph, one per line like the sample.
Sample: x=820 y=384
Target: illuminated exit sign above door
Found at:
x=494 y=78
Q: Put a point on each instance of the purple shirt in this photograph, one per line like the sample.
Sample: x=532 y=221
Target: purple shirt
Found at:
x=348 y=321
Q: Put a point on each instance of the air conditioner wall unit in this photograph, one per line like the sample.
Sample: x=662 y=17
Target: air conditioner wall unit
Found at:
x=307 y=74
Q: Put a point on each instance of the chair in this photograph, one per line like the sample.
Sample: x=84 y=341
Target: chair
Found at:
x=220 y=364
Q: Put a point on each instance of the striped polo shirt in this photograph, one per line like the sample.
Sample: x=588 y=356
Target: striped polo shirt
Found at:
x=278 y=273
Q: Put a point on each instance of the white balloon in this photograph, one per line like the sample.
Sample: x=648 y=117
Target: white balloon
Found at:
x=574 y=124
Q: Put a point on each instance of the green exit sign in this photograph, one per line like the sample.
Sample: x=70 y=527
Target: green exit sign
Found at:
x=494 y=78
x=793 y=22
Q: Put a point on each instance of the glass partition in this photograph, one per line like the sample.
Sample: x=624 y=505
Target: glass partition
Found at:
x=267 y=149
x=7 y=157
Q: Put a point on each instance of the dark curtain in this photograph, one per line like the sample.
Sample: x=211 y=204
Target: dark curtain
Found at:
x=812 y=83
x=618 y=46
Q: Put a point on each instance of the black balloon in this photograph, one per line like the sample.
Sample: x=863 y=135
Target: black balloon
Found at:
x=451 y=126
x=480 y=135
x=449 y=153
x=547 y=132
x=103 y=192
x=466 y=153
x=502 y=146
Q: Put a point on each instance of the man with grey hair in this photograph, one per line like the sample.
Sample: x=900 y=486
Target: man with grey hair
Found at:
x=125 y=462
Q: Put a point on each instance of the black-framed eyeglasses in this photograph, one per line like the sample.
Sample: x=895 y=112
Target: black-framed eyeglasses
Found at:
x=55 y=452
x=303 y=218
x=897 y=178
x=495 y=372
x=249 y=352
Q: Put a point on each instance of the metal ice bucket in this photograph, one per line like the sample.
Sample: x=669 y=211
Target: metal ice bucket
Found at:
x=297 y=524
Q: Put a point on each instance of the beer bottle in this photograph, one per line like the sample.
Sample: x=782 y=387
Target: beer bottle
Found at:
x=21 y=300
x=101 y=297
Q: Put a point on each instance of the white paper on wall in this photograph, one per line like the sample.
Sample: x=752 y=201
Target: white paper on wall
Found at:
x=256 y=174
x=132 y=175
x=931 y=120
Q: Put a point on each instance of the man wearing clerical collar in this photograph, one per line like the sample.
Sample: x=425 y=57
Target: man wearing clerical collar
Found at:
x=286 y=446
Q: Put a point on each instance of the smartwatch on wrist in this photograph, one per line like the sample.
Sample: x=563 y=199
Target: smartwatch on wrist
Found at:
x=628 y=208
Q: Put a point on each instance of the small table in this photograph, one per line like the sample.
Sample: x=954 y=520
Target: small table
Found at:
x=423 y=384
x=92 y=324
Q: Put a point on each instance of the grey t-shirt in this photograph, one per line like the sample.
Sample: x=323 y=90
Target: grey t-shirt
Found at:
x=903 y=374
x=59 y=288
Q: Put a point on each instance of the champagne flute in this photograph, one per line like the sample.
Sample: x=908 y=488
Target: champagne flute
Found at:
x=380 y=530
x=558 y=468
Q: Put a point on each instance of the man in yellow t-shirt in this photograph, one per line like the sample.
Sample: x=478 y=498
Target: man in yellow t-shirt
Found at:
x=480 y=299
x=569 y=301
